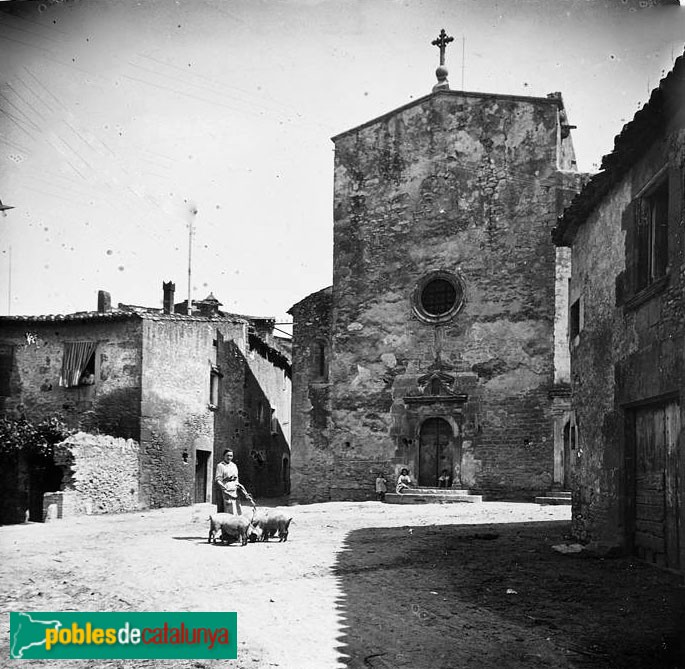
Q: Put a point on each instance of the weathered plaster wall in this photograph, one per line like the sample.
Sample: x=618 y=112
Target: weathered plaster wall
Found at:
x=111 y=405
x=463 y=184
x=562 y=357
x=176 y=416
x=152 y=384
x=313 y=462
x=625 y=354
x=598 y=257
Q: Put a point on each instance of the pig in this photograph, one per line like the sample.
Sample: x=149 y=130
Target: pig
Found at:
x=231 y=528
x=267 y=523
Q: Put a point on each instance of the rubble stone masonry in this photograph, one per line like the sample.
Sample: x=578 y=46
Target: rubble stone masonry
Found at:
x=468 y=185
x=177 y=418
x=629 y=351
x=101 y=475
x=110 y=405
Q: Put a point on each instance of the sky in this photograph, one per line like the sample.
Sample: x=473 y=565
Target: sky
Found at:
x=123 y=123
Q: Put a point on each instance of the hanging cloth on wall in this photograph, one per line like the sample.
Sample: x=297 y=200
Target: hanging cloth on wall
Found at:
x=76 y=357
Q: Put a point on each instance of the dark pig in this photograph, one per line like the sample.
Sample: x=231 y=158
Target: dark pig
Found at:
x=231 y=528
x=268 y=523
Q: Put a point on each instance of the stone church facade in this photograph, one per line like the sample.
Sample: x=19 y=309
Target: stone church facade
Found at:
x=439 y=345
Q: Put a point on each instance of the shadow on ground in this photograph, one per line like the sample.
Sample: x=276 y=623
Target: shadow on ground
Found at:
x=483 y=596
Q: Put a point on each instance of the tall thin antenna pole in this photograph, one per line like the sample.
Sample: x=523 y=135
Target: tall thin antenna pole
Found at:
x=463 y=52
x=190 y=258
x=9 y=286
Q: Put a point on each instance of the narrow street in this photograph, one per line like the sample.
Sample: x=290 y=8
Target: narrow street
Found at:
x=358 y=585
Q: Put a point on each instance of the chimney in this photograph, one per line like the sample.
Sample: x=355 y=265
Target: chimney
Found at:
x=104 y=302
x=169 y=290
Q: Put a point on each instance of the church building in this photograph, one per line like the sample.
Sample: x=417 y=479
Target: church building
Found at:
x=442 y=343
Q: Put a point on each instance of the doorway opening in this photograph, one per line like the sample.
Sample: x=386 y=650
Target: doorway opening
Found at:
x=201 y=467
x=434 y=451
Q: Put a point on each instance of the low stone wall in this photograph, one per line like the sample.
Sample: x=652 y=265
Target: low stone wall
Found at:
x=101 y=475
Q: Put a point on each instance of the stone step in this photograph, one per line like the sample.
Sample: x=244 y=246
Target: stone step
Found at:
x=559 y=493
x=444 y=498
x=436 y=491
x=553 y=498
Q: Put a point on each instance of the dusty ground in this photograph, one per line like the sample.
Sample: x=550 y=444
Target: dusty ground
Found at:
x=359 y=585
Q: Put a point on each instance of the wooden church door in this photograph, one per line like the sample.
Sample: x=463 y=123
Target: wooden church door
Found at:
x=434 y=454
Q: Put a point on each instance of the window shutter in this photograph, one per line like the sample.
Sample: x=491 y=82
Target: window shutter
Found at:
x=643 y=243
x=629 y=224
x=661 y=218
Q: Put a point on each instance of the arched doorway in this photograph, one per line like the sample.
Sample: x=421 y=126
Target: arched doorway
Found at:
x=434 y=451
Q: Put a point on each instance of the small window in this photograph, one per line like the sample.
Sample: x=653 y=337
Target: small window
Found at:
x=78 y=364
x=214 y=388
x=652 y=237
x=574 y=320
x=438 y=297
x=274 y=422
x=319 y=360
x=6 y=358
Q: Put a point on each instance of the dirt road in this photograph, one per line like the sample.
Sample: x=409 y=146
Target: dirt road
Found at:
x=358 y=585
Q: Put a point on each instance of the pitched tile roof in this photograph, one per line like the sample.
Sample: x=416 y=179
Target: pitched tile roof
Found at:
x=636 y=137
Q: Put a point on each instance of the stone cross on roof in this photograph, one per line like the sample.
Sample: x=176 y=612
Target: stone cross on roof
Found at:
x=441 y=42
x=441 y=73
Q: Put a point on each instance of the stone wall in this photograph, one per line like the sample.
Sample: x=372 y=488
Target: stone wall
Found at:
x=629 y=351
x=464 y=184
x=153 y=383
x=111 y=404
x=177 y=417
x=314 y=464
x=562 y=357
x=101 y=475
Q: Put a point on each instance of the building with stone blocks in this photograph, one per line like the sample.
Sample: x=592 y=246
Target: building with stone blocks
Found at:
x=627 y=335
x=183 y=387
x=435 y=346
x=314 y=465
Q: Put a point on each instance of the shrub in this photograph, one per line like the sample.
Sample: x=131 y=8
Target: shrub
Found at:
x=35 y=441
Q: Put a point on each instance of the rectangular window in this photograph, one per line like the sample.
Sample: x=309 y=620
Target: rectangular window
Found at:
x=6 y=358
x=215 y=349
x=214 y=389
x=652 y=236
x=78 y=364
x=574 y=320
x=319 y=362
